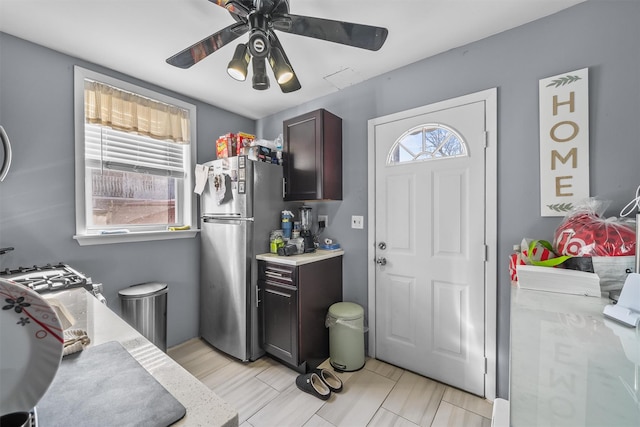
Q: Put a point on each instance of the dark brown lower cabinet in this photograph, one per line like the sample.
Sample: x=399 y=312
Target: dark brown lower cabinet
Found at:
x=294 y=301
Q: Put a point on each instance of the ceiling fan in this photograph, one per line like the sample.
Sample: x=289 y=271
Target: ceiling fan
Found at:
x=260 y=18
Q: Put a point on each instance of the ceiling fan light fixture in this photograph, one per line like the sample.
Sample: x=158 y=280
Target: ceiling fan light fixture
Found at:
x=260 y=79
x=281 y=68
x=239 y=64
x=261 y=18
x=258 y=44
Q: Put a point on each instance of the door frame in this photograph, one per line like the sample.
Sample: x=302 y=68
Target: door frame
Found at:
x=490 y=98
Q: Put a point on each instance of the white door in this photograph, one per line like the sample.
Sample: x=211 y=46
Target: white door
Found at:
x=430 y=243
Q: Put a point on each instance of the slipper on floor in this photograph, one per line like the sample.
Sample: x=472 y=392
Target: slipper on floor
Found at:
x=330 y=379
x=312 y=384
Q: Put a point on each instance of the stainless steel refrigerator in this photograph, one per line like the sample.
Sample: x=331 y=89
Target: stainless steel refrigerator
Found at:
x=239 y=206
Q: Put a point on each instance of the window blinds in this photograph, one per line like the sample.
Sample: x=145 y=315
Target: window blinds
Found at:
x=113 y=149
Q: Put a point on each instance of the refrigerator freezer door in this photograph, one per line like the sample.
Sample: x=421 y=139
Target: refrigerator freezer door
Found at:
x=224 y=285
x=222 y=195
x=267 y=199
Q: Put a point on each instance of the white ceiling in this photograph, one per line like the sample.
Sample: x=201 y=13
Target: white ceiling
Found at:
x=135 y=37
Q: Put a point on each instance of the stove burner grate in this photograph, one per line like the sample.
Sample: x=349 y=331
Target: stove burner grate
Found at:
x=47 y=278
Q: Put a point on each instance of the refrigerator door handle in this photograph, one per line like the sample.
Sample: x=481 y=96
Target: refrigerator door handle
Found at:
x=214 y=218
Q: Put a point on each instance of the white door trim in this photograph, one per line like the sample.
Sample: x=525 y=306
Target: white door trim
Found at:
x=490 y=97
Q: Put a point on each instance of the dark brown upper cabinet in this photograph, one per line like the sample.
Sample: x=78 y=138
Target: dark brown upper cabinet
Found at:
x=313 y=157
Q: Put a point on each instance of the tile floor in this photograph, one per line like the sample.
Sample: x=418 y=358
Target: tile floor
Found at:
x=265 y=394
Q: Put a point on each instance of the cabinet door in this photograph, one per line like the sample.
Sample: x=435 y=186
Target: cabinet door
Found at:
x=302 y=157
x=313 y=156
x=280 y=321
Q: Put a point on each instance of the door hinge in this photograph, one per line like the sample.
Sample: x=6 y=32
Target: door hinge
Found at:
x=486 y=138
x=485 y=251
x=486 y=364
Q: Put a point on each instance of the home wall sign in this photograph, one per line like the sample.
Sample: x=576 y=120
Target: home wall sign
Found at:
x=564 y=141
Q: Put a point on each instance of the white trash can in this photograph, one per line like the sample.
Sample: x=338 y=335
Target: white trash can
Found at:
x=144 y=307
x=345 y=321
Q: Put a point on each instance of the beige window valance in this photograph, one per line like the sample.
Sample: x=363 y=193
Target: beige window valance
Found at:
x=126 y=111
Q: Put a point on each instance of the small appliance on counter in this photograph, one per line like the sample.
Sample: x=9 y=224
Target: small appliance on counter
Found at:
x=305 y=229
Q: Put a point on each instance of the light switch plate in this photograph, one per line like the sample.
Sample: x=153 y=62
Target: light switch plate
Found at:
x=357 y=221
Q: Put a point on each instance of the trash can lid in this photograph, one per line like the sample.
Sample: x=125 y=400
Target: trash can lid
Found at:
x=346 y=310
x=143 y=290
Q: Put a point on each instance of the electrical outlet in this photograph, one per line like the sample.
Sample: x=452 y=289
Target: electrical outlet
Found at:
x=357 y=221
x=324 y=218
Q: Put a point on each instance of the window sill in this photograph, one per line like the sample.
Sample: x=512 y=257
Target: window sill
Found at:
x=143 y=236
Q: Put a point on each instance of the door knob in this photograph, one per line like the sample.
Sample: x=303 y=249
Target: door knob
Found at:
x=381 y=261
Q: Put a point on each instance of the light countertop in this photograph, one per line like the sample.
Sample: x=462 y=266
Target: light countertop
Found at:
x=295 y=260
x=570 y=365
x=204 y=407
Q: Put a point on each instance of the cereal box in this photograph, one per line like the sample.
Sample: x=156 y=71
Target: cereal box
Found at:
x=225 y=146
x=243 y=141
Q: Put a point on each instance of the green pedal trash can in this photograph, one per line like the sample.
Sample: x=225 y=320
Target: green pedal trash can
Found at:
x=345 y=321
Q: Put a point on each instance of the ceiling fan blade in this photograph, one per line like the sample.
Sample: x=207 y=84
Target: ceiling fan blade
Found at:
x=347 y=33
x=205 y=47
x=293 y=84
x=234 y=6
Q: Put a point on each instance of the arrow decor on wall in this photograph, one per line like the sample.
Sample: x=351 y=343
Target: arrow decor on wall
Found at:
x=561 y=207
x=564 y=81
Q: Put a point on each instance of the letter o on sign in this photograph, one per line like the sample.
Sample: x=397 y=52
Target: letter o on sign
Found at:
x=574 y=128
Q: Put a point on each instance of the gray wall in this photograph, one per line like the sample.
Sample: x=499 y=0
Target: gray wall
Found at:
x=37 y=204
x=601 y=35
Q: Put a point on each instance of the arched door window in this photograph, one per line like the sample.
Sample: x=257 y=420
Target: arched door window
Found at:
x=427 y=142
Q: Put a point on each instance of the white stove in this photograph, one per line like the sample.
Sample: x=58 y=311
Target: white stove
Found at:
x=51 y=278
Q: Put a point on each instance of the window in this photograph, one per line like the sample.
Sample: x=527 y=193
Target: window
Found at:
x=427 y=142
x=135 y=151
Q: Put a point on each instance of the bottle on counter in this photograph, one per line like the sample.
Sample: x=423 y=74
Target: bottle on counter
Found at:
x=287 y=224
